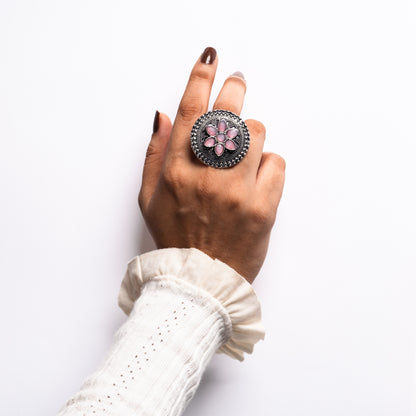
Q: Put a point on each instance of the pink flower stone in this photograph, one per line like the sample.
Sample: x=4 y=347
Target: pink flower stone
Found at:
x=231 y=133
x=211 y=130
x=221 y=137
x=222 y=126
x=219 y=149
x=230 y=145
x=210 y=142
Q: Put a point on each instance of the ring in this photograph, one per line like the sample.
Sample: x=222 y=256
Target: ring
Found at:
x=220 y=138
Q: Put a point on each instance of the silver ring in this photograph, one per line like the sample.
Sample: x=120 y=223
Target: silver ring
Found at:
x=220 y=138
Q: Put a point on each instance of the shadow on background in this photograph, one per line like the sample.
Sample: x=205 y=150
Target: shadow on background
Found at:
x=207 y=391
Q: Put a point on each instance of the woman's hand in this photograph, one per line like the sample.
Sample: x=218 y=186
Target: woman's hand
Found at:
x=226 y=213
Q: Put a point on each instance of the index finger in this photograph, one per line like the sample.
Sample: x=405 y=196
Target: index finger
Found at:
x=194 y=102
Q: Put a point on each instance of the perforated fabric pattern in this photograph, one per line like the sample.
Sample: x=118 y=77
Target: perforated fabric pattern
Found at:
x=158 y=356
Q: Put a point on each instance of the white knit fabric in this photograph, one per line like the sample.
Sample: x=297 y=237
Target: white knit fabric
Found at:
x=176 y=322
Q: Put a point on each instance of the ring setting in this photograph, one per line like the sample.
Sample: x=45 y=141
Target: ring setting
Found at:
x=220 y=138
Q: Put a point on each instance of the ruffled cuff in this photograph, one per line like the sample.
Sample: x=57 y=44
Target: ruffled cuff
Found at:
x=222 y=282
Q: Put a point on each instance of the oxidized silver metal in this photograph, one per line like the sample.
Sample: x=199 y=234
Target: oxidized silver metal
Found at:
x=220 y=138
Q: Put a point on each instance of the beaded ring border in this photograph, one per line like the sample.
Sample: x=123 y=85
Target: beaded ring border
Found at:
x=222 y=145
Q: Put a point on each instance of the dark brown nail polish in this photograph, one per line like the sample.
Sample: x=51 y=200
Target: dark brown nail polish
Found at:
x=208 y=56
x=156 y=122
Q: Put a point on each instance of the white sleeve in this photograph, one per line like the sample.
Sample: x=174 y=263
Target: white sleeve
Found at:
x=183 y=306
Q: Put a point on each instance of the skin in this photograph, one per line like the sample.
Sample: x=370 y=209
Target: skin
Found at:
x=226 y=213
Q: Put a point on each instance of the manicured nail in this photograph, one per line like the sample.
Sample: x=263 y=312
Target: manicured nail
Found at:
x=238 y=74
x=156 y=122
x=208 y=56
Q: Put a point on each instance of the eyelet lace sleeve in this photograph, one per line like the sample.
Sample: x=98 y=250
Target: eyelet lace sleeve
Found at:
x=182 y=307
x=224 y=284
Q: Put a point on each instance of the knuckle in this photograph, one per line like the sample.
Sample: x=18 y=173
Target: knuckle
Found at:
x=277 y=161
x=206 y=189
x=261 y=217
x=234 y=200
x=151 y=151
x=256 y=127
x=190 y=108
x=173 y=177
x=274 y=165
x=200 y=74
x=280 y=162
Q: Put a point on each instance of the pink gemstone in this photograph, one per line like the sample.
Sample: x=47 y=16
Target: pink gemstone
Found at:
x=219 y=149
x=221 y=137
x=230 y=145
x=231 y=133
x=222 y=126
x=211 y=130
x=210 y=142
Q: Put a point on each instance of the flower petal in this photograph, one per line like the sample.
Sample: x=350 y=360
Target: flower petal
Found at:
x=221 y=137
x=219 y=149
x=230 y=145
x=210 y=142
x=211 y=130
x=232 y=132
x=222 y=126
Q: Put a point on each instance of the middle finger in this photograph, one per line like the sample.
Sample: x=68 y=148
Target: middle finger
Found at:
x=231 y=96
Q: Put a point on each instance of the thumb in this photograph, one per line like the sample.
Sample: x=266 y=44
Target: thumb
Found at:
x=155 y=155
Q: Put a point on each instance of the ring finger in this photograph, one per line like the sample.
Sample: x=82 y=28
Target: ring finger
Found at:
x=231 y=96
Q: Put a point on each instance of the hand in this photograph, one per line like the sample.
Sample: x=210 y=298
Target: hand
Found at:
x=226 y=213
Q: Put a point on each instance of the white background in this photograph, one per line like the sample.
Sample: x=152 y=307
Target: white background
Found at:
x=333 y=81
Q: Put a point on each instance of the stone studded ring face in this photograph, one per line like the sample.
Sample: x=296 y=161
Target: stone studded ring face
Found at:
x=220 y=138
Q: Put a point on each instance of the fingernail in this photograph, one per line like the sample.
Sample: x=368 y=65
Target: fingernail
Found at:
x=156 y=122
x=208 y=56
x=238 y=74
